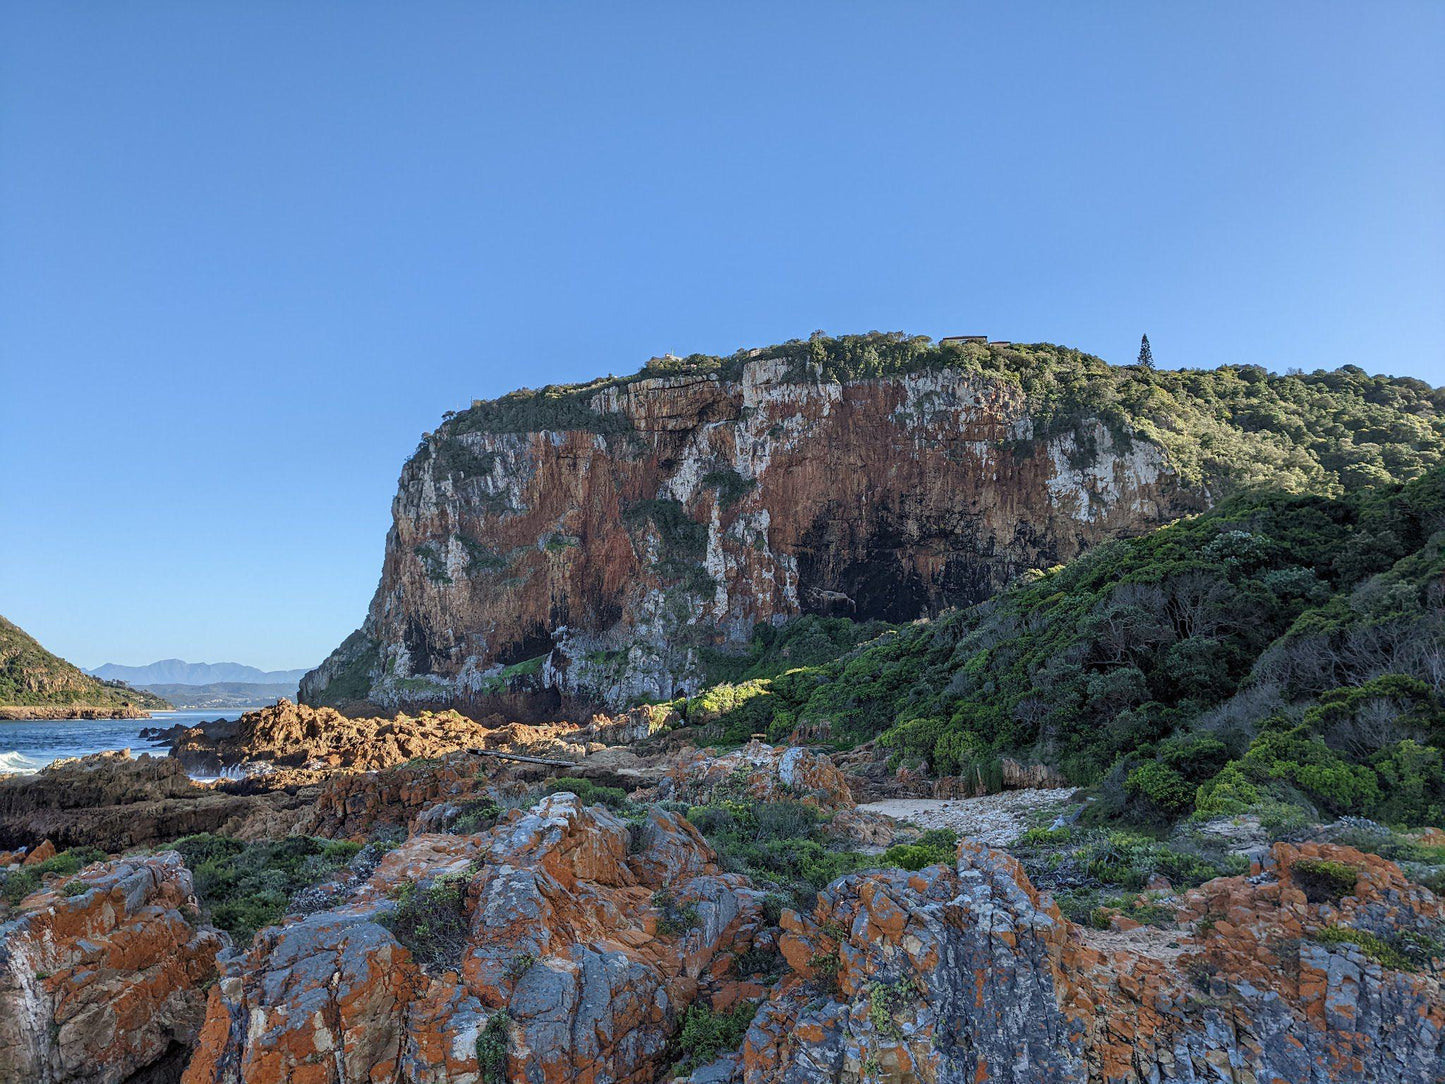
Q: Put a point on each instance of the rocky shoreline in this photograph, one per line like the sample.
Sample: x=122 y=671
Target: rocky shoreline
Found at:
x=436 y=900
x=16 y=713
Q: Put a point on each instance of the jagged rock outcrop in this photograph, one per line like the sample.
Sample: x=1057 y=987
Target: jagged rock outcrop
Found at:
x=592 y=935
x=323 y=740
x=969 y=976
x=663 y=515
x=104 y=979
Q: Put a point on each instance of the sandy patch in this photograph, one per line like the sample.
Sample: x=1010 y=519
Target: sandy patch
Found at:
x=995 y=819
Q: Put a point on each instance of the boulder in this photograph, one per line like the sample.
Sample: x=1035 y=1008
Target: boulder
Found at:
x=103 y=980
x=759 y=772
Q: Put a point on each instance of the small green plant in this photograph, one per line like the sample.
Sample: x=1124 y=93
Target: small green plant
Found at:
x=75 y=888
x=475 y=816
x=432 y=922
x=885 y=1000
x=705 y=1033
x=520 y=964
x=1323 y=880
x=1376 y=948
x=492 y=1048
x=824 y=966
x=674 y=918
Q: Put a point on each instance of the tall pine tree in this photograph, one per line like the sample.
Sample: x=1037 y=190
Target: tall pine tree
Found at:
x=1146 y=356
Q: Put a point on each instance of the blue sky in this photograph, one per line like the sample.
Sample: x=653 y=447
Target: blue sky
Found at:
x=249 y=252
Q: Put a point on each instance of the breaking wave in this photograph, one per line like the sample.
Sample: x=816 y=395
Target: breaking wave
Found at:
x=16 y=762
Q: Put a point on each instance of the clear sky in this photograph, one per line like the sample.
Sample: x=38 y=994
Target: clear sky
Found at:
x=250 y=251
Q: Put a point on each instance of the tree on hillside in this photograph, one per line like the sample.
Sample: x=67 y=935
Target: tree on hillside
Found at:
x=1146 y=356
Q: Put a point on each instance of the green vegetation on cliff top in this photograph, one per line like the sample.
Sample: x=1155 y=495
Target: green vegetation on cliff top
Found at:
x=1278 y=653
x=30 y=676
x=1323 y=432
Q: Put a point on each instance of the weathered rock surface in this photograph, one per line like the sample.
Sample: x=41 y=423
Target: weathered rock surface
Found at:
x=97 y=986
x=567 y=933
x=968 y=975
x=111 y=801
x=322 y=739
x=757 y=771
x=675 y=513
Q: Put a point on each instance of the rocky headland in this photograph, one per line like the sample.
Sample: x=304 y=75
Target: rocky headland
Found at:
x=732 y=724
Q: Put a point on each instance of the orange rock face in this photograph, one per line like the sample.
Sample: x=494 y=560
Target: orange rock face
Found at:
x=971 y=975
x=591 y=934
x=684 y=510
x=101 y=984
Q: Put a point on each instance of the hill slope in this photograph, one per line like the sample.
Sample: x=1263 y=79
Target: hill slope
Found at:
x=609 y=538
x=30 y=676
x=1279 y=652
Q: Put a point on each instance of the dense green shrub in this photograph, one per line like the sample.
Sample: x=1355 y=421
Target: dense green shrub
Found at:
x=1228 y=793
x=705 y=1034
x=492 y=1048
x=16 y=884
x=588 y=792
x=432 y=922
x=776 y=843
x=245 y=886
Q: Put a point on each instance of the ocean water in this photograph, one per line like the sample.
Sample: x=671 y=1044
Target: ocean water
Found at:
x=28 y=745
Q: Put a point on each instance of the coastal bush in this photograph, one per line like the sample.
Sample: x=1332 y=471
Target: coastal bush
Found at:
x=588 y=792
x=16 y=884
x=706 y=1034
x=1286 y=645
x=432 y=922
x=776 y=843
x=245 y=886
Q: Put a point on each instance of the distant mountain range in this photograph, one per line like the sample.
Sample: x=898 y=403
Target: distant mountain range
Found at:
x=180 y=672
x=223 y=695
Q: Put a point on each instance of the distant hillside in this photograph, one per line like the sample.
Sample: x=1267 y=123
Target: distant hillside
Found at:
x=224 y=694
x=32 y=676
x=180 y=672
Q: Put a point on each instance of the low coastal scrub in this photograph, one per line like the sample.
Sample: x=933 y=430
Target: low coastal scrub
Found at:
x=16 y=884
x=245 y=886
x=707 y=1033
x=432 y=921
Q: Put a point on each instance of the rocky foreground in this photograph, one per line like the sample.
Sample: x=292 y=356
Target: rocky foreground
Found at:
x=488 y=932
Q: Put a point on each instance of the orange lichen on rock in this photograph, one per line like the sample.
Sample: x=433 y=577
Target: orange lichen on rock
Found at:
x=100 y=982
